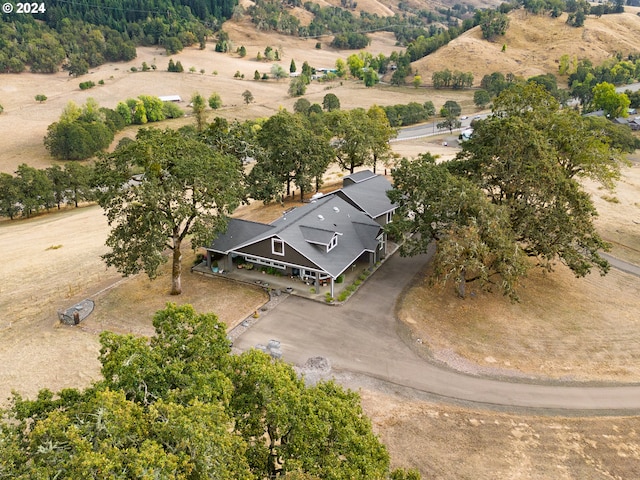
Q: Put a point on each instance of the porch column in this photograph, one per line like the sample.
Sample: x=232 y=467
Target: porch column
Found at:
x=316 y=283
x=332 y=287
x=208 y=258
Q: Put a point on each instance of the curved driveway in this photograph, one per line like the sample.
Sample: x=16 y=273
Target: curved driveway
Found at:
x=361 y=337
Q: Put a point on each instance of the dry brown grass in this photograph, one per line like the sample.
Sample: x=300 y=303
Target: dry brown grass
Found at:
x=563 y=327
x=561 y=323
x=451 y=443
x=534 y=45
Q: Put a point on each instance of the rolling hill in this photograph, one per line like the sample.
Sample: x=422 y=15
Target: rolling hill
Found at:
x=534 y=45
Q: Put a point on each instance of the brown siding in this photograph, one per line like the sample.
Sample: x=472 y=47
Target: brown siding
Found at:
x=263 y=249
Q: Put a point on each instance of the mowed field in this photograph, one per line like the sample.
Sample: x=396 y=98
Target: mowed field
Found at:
x=565 y=328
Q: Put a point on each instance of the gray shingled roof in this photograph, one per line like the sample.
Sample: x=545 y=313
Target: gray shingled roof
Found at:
x=331 y=214
x=238 y=233
x=317 y=235
x=308 y=230
x=360 y=176
x=370 y=195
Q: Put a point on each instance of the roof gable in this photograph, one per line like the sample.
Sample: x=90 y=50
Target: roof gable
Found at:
x=358 y=177
x=318 y=236
x=369 y=195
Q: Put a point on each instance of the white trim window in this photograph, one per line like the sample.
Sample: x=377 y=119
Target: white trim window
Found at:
x=277 y=246
x=389 y=217
x=333 y=243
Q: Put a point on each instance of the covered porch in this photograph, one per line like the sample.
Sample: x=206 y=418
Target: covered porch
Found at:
x=291 y=280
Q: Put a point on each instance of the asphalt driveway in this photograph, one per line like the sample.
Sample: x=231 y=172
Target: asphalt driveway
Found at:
x=361 y=337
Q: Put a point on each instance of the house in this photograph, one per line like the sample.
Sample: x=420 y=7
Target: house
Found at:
x=318 y=241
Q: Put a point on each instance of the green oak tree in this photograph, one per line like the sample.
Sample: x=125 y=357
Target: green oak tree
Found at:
x=183 y=188
x=297 y=86
x=293 y=153
x=481 y=98
x=331 y=102
x=380 y=133
x=59 y=179
x=527 y=156
x=9 y=196
x=302 y=106
x=450 y=107
x=180 y=406
x=35 y=190
x=606 y=98
x=79 y=182
x=247 y=96
x=474 y=240
x=351 y=142
x=523 y=162
x=450 y=121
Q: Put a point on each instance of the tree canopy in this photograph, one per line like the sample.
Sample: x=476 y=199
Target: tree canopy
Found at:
x=181 y=406
x=293 y=153
x=359 y=137
x=526 y=159
x=181 y=187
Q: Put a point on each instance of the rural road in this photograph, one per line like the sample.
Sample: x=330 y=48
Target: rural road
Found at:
x=361 y=337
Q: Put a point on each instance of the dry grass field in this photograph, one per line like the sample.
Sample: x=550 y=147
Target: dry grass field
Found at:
x=564 y=328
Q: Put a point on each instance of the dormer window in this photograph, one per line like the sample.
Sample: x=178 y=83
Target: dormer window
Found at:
x=277 y=246
x=333 y=243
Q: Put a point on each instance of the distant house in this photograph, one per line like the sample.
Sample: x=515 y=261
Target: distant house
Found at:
x=318 y=241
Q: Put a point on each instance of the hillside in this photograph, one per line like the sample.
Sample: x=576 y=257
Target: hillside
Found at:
x=534 y=45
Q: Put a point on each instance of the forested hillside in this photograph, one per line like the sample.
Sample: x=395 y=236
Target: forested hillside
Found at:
x=80 y=35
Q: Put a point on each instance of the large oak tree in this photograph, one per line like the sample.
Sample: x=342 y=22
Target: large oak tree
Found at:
x=181 y=187
x=293 y=152
x=181 y=406
x=526 y=159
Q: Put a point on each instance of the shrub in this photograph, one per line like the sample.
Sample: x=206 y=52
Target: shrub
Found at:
x=87 y=85
x=340 y=278
x=171 y=110
x=215 y=102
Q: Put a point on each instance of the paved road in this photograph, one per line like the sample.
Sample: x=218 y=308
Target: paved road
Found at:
x=430 y=129
x=361 y=337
